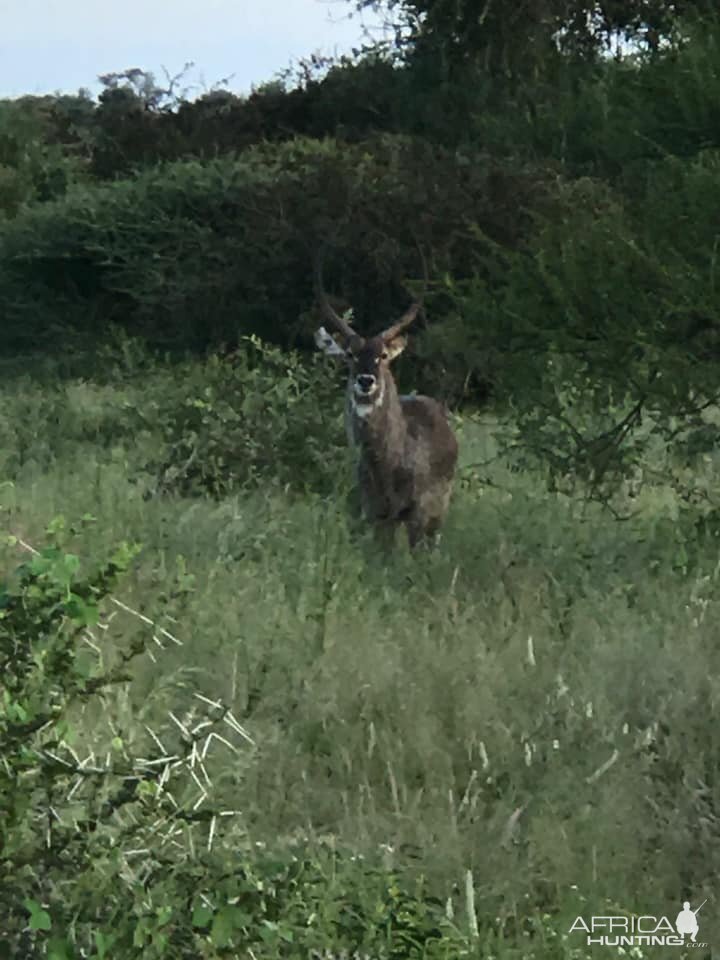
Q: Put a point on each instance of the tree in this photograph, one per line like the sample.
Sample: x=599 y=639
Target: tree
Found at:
x=515 y=38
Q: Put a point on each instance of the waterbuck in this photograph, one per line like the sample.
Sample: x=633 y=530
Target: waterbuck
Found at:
x=407 y=452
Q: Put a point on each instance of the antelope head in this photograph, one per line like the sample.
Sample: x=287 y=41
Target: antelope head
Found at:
x=368 y=358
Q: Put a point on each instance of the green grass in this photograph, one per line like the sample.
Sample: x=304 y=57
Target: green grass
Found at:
x=536 y=701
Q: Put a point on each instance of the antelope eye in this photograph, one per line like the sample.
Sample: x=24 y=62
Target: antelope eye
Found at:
x=384 y=354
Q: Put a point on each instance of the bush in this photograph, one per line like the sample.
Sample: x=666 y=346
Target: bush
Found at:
x=98 y=856
x=258 y=417
x=191 y=254
x=602 y=333
x=31 y=169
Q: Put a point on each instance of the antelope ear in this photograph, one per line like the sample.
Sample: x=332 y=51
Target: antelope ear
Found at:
x=394 y=347
x=327 y=344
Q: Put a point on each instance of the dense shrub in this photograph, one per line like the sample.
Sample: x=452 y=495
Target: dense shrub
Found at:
x=191 y=254
x=603 y=331
x=31 y=168
x=258 y=417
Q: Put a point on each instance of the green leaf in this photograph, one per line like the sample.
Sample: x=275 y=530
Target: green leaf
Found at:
x=39 y=918
x=101 y=944
x=58 y=948
x=201 y=915
x=56 y=525
x=82 y=612
x=223 y=927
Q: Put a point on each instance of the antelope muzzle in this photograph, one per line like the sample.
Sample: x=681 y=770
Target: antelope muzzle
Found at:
x=365 y=386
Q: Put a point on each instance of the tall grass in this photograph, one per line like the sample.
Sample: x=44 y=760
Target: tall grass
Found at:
x=536 y=701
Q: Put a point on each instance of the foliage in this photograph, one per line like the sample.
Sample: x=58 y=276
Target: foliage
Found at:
x=258 y=417
x=519 y=40
x=70 y=882
x=533 y=681
x=519 y=707
x=54 y=408
x=45 y=610
x=192 y=254
x=545 y=181
x=255 y=417
x=31 y=169
x=601 y=335
x=528 y=79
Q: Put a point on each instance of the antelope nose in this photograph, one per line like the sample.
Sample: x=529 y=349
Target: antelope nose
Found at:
x=365 y=381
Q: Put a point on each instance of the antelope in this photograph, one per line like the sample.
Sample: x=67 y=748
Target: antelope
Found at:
x=406 y=450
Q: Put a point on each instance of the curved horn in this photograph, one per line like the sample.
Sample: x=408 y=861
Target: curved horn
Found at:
x=330 y=315
x=407 y=318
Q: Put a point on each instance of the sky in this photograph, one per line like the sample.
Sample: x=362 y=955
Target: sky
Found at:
x=49 y=46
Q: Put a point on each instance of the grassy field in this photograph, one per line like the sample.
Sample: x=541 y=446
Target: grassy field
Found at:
x=535 y=702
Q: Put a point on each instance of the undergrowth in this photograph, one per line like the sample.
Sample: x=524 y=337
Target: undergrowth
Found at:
x=445 y=754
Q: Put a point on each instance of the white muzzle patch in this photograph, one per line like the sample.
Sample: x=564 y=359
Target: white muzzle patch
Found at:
x=364 y=404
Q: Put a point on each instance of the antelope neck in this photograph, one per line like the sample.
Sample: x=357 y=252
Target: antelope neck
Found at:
x=380 y=427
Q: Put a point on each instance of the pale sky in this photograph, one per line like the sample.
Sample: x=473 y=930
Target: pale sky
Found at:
x=62 y=45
